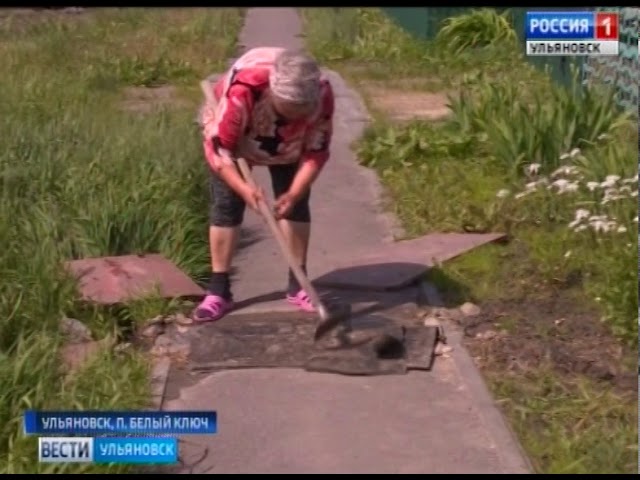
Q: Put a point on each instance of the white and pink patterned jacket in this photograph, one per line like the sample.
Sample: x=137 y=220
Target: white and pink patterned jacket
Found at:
x=238 y=120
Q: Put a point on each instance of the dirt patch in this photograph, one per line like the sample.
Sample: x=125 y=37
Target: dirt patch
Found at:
x=404 y=102
x=518 y=336
x=148 y=99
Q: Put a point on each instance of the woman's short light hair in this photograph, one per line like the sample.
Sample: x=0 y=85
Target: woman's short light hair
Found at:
x=295 y=78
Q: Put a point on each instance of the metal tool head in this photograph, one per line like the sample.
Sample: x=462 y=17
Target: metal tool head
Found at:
x=331 y=318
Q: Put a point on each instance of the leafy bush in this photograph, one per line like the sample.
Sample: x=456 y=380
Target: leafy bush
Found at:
x=480 y=28
x=525 y=125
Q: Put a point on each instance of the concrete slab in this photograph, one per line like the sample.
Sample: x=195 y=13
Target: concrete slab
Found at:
x=111 y=280
x=291 y=421
x=396 y=265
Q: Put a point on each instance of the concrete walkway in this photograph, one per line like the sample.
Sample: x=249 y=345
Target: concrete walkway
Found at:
x=292 y=421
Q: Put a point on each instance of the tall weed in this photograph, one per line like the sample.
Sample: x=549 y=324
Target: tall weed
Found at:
x=525 y=125
x=477 y=29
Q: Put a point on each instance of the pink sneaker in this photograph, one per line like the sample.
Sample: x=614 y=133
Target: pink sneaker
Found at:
x=212 y=308
x=302 y=301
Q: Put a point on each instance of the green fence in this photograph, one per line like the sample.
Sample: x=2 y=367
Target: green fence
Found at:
x=621 y=71
x=425 y=23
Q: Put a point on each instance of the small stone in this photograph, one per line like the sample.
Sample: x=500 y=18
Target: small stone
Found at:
x=431 y=321
x=446 y=314
x=468 y=309
x=75 y=331
x=489 y=334
x=166 y=345
x=152 y=330
x=274 y=349
x=442 y=349
x=182 y=319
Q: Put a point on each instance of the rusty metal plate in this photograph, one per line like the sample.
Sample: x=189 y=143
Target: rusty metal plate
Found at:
x=392 y=346
x=400 y=264
x=112 y=280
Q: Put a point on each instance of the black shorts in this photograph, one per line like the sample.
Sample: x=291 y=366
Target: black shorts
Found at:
x=227 y=207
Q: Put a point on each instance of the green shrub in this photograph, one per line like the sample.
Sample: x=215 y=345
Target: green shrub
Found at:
x=480 y=28
x=535 y=125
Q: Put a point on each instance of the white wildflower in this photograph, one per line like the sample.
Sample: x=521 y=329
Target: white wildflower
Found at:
x=635 y=220
x=581 y=228
x=634 y=193
x=563 y=185
x=521 y=195
x=621 y=229
x=565 y=170
x=603 y=136
x=531 y=185
x=630 y=180
x=564 y=156
x=568 y=254
x=533 y=168
x=610 y=181
x=575 y=152
x=572 y=187
x=592 y=186
x=582 y=213
x=503 y=193
x=603 y=226
x=610 y=195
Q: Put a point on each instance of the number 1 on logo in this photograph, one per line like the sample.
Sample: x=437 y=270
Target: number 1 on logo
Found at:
x=606 y=26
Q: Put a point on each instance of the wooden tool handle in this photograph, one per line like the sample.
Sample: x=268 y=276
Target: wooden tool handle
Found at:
x=304 y=281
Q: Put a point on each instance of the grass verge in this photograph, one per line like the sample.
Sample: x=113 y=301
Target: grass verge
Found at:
x=82 y=176
x=554 y=168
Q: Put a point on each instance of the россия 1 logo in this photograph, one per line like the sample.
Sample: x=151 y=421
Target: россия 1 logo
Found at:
x=572 y=33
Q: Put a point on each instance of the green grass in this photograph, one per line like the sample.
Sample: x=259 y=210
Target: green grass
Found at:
x=82 y=177
x=570 y=427
x=511 y=128
x=363 y=44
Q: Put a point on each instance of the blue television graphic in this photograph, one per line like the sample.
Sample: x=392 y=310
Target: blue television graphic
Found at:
x=560 y=26
x=108 y=450
x=572 y=33
x=94 y=423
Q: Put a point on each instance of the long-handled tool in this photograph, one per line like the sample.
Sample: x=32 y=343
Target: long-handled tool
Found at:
x=329 y=318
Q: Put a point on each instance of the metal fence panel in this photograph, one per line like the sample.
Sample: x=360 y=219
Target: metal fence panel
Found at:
x=619 y=71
